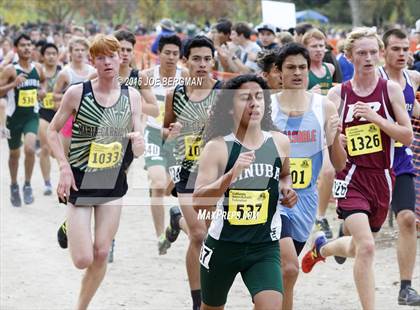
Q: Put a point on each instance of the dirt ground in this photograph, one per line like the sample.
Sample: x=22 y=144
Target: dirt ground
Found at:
x=37 y=274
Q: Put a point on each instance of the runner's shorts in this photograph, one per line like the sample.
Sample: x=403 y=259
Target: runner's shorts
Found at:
x=368 y=191
x=21 y=123
x=404 y=194
x=185 y=180
x=46 y=114
x=221 y=261
x=95 y=188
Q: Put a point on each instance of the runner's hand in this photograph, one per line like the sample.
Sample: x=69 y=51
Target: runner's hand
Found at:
x=137 y=142
x=65 y=183
x=243 y=162
x=21 y=78
x=363 y=110
x=4 y=133
x=174 y=130
x=334 y=128
x=41 y=94
x=316 y=89
x=289 y=197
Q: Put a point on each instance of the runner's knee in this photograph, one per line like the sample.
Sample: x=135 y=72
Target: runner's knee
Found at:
x=406 y=220
x=82 y=261
x=197 y=236
x=366 y=248
x=290 y=270
x=101 y=252
x=14 y=155
x=29 y=149
x=272 y=303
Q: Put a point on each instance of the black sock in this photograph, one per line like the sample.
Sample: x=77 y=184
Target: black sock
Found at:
x=405 y=284
x=196 y=297
x=27 y=183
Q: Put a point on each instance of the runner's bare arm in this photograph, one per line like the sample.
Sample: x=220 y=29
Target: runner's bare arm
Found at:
x=60 y=85
x=150 y=106
x=415 y=79
x=169 y=113
x=334 y=95
x=7 y=80
x=331 y=68
x=42 y=80
x=401 y=131
x=285 y=183
x=332 y=129
x=210 y=184
x=137 y=135
x=70 y=103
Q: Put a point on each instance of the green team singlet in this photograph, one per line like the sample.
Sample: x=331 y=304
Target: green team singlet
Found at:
x=193 y=117
x=248 y=212
x=24 y=98
x=325 y=82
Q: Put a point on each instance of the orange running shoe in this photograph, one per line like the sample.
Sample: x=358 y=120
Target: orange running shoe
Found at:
x=313 y=256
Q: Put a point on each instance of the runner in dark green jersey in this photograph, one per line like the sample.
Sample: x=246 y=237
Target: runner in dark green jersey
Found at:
x=244 y=172
x=23 y=82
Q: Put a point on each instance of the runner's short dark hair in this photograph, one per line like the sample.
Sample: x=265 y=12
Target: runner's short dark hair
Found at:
x=171 y=39
x=242 y=28
x=125 y=35
x=292 y=49
x=20 y=37
x=198 y=41
x=393 y=32
x=48 y=45
x=224 y=26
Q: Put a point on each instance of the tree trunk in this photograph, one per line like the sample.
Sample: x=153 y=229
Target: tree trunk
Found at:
x=355 y=12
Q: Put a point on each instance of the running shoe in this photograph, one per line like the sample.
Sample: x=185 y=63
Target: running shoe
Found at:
x=339 y=259
x=62 y=235
x=47 y=190
x=111 y=252
x=163 y=244
x=173 y=230
x=314 y=256
x=323 y=225
x=28 y=198
x=15 y=195
x=409 y=297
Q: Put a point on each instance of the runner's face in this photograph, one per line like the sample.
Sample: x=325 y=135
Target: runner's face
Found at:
x=78 y=53
x=294 y=72
x=234 y=37
x=365 y=55
x=266 y=37
x=24 y=49
x=200 y=62
x=107 y=65
x=396 y=53
x=50 y=56
x=248 y=104
x=6 y=46
x=169 y=56
x=316 y=49
x=273 y=77
x=126 y=52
